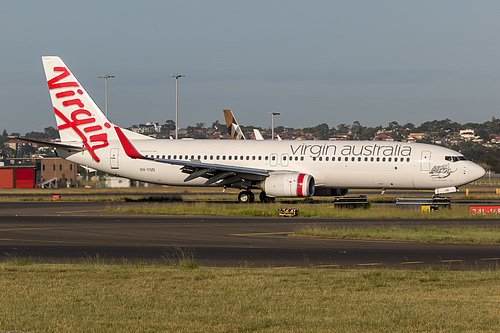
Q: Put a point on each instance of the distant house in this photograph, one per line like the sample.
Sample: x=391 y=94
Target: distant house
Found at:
x=414 y=137
x=147 y=128
x=383 y=137
x=495 y=139
x=468 y=135
x=14 y=144
x=339 y=136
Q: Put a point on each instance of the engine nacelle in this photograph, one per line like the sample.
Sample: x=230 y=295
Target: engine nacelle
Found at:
x=330 y=192
x=288 y=185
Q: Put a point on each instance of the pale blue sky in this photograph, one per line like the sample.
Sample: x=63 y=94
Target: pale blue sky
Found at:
x=314 y=61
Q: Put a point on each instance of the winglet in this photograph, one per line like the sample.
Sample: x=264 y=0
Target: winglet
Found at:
x=127 y=145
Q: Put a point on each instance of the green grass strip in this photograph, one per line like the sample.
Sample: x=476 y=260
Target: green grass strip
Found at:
x=125 y=298
x=472 y=235
x=304 y=210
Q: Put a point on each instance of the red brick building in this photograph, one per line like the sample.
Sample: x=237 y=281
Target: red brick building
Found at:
x=61 y=171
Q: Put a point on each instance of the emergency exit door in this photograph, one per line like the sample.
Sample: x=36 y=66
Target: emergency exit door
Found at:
x=425 y=161
x=113 y=158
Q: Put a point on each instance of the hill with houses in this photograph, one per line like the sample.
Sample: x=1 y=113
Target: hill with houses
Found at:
x=479 y=142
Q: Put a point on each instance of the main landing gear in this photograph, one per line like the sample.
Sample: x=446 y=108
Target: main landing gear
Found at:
x=265 y=199
x=248 y=197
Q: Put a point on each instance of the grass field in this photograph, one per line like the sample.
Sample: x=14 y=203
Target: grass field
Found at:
x=182 y=297
x=304 y=210
x=462 y=235
x=124 y=298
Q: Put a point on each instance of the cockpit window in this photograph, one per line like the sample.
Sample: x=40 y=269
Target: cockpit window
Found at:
x=455 y=158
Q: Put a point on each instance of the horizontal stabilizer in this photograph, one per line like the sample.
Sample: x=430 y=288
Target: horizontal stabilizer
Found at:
x=76 y=147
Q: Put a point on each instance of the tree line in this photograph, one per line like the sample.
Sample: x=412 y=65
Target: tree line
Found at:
x=439 y=132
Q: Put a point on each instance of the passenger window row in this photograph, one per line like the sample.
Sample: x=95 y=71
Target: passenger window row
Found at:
x=366 y=159
x=210 y=157
x=284 y=157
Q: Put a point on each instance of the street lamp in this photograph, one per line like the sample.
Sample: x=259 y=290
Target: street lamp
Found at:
x=177 y=76
x=274 y=113
x=106 y=77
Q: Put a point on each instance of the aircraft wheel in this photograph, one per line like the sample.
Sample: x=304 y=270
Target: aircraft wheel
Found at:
x=246 y=197
x=265 y=199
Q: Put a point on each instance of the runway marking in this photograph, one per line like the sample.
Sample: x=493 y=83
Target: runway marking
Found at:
x=93 y=243
x=371 y=264
x=411 y=262
x=326 y=266
x=54 y=228
x=95 y=227
x=292 y=235
x=286 y=267
x=40 y=240
x=261 y=234
x=487 y=259
x=451 y=260
x=79 y=211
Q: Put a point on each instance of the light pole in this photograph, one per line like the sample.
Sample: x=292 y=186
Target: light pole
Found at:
x=106 y=77
x=274 y=113
x=177 y=76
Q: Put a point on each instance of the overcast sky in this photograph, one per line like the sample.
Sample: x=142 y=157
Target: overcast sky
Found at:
x=314 y=61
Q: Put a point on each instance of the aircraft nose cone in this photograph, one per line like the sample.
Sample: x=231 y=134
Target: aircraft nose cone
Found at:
x=476 y=172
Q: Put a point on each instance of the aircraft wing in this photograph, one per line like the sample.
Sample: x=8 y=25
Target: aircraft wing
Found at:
x=217 y=173
x=75 y=147
x=223 y=175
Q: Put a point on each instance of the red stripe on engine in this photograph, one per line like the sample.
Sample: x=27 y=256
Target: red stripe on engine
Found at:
x=300 y=184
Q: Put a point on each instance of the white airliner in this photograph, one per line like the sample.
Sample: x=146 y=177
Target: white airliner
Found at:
x=278 y=168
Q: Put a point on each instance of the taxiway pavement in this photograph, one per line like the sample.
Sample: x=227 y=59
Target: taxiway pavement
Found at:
x=76 y=231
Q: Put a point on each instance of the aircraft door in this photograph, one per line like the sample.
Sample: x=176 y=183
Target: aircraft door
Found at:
x=425 y=161
x=273 y=159
x=284 y=159
x=113 y=158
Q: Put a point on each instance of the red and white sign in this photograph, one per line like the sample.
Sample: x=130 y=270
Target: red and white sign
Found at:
x=484 y=210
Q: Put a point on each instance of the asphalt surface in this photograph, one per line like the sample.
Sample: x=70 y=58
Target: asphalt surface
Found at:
x=80 y=232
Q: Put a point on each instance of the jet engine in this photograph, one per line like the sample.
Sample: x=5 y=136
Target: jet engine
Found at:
x=288 y=185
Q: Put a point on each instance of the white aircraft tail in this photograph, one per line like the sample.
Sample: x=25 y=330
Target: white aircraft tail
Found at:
x=79 y=119
x=257 y=134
